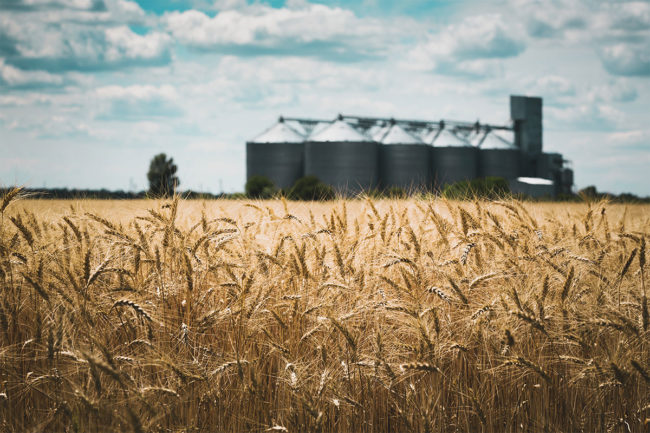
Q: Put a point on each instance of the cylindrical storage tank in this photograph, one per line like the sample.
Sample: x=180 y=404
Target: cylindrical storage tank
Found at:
x=278 y=153
x=452 y=159
x=498 y=158
x=404 y=161
x=344 y=158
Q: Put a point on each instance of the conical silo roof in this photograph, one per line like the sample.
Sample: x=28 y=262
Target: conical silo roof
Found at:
x=340 y=132
x=397 y=135
x=300 y=127
x=448 y=138
x=377 y=131
x=428 y=135
x=279 y=133
x=318 y=128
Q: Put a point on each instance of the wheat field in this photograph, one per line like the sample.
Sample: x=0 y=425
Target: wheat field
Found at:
x=348 y=316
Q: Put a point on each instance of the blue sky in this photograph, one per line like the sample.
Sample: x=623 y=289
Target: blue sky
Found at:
x=90 y=90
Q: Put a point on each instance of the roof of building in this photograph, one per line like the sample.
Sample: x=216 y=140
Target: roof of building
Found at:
x=535 y=181
x=279 y=133
x=340 y=131
x=397 y=135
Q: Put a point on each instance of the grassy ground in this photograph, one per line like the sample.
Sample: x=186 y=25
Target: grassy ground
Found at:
x=345 y=316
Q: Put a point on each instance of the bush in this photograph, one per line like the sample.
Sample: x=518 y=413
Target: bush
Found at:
x=260 y=187
x=490 y=188
x=310 y=188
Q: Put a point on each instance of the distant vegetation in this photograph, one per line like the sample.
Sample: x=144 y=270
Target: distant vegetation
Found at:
x=263 y=188
x=310 y=188
x=260 y=187
x=163 y=181
x=490 y=188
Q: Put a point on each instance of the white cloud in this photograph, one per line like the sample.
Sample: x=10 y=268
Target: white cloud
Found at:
x=315 y=30
x=582 y=116
x=620 y=90
x=137 y=102
x=14 y=77
x=627 y=59
x=552 y=85
x=619 y=31
x=76 y=47
x=468 y=47
x=52 y=4
x=636 y=138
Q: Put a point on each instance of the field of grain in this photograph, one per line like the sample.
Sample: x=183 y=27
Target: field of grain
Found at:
x=350 y=316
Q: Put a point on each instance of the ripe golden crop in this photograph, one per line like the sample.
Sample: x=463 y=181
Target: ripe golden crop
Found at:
x=349 y=316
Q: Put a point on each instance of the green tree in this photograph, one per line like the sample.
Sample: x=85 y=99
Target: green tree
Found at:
x=311 y=188
x=260 y=187
x=162 y=176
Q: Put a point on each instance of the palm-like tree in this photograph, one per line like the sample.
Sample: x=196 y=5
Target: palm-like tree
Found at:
x=162 y=176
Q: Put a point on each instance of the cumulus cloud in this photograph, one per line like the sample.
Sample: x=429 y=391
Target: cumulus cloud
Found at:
x=137 y=102
x=619 y=90
x=467 y=48
x=552 y=86
x=81 y=48
x=596 y=117
x=84 y=35
x=619 y=31
x=31 y=5
x=626 y=59
x=15 y=78
x=635 y=139
x=311 y=30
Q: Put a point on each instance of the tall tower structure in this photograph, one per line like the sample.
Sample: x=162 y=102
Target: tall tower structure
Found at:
x=526 y=113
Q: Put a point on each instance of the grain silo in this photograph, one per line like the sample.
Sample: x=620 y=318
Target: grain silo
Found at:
x=404 y=160
x=452 y=159
x=498 y=157
x=342 y=157
x=278 y=153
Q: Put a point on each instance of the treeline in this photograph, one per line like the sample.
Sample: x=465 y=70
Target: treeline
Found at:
x=591 y=193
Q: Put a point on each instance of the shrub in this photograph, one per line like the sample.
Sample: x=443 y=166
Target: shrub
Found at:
x=260 y=187
x=310 y=188
x=490 y=188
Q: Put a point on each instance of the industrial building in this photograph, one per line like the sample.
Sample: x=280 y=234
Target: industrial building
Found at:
x=356 y=154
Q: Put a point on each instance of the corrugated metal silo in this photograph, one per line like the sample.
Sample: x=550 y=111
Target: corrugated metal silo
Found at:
x=404 y=160
x=452 y=159
x=343 y=157
x=498 y=157
x=278 y=153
